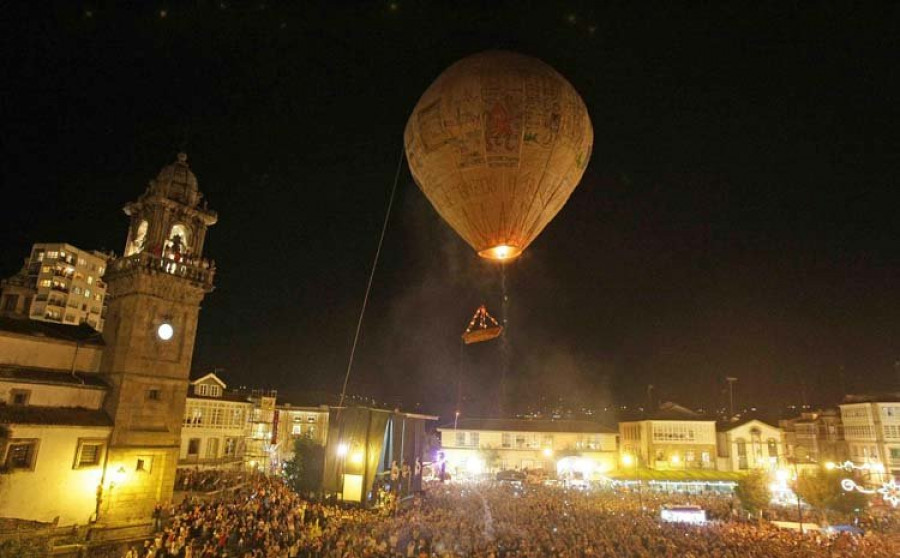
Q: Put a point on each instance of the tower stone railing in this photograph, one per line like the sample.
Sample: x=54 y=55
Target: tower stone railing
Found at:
x=197 y=270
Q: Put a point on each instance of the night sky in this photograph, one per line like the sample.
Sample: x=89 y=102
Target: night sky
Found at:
x=738 y=216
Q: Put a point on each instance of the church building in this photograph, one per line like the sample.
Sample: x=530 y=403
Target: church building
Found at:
x=90 y=423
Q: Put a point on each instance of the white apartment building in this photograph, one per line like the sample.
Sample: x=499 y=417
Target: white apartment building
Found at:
x=59 y=283
x=216 y=426
x=872 y=432
x=749 y=444
x=476 y=446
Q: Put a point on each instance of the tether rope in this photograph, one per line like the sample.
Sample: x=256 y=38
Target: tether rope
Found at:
x=362 y=311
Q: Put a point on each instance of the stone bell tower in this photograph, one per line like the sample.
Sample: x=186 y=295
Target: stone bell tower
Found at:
x=154 y=294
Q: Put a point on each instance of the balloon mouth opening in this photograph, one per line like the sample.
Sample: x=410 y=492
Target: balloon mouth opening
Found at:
x=501 y=253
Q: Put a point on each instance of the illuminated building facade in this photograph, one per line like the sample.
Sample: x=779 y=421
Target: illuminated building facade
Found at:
x=154 y=294
x=54 y=432
x=750 y=444
x=814 y=437
x=216 y=426
x=672 y=438
x=872 y=432
x=476 y=446
x=262 y=438
x=294 y=423
x=59 y=283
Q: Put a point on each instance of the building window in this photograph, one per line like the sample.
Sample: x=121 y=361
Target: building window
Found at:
x=230 y=446
x=506 y=440
x=194 y=446
x=21 y=455
x=212 y=448
x=88 y=453
x=474 y=439
x=209 y=390
x=20 y=396
x=143 y=464
x=773 y=448
x=460 y=438
x=153 y=394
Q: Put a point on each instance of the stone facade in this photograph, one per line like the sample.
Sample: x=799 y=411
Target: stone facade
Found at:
x=154 y=296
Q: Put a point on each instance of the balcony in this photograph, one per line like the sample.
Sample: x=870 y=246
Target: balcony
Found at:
x=196 y=270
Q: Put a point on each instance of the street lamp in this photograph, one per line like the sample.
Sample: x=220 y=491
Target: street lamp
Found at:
x=793 y=461
x=118 y=476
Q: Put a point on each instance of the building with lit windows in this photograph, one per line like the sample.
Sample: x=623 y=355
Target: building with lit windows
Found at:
x=216 y=426
x=54 y=433
x=476 y=446
x=749 y=444
x=814 y=437
x=59 y=283
x=261 y=451
x=295 y=423
x=872 y=432
x=673 y=437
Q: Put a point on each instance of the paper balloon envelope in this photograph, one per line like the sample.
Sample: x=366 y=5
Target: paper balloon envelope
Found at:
x=497 y=144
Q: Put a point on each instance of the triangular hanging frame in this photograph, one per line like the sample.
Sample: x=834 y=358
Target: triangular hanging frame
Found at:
x=482 y=327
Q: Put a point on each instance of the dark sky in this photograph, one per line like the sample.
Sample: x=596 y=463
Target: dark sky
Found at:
x=738 y=216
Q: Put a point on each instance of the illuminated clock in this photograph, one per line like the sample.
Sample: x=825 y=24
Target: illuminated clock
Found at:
x=165 y=331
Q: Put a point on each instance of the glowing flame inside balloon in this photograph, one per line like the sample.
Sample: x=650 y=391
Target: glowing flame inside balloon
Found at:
x=502 y=252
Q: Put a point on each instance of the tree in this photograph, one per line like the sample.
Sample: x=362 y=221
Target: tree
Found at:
x=305 y=470
x=491 y=457
x=753 y=491
x=822 y=490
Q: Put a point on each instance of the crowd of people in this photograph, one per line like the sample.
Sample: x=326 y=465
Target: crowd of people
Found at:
x=209 y=480
x=265 y=519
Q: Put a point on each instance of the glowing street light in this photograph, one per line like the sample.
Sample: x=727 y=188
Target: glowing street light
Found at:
x=356 y=458
x=342 y=449
x=627 y=460
x=118 y=476
x=548 y=452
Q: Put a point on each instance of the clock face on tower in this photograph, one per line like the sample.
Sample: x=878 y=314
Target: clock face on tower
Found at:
x=165 y=331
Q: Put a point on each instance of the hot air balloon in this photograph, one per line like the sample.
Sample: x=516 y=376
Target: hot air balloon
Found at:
x=497 y=144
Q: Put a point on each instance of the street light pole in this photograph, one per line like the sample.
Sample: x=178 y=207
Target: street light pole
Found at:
x=797 y=493
x=731 y=380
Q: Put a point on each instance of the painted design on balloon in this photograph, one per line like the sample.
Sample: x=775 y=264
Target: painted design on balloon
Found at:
x=497 y=144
